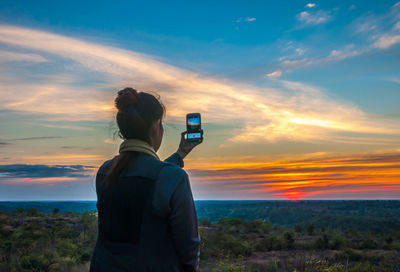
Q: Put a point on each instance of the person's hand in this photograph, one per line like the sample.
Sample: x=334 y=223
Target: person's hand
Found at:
x=186 y=146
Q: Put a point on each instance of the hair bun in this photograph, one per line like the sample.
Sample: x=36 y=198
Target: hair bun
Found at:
x=126 y=97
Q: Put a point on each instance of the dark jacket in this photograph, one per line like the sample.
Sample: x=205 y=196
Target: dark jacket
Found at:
x=147 y=220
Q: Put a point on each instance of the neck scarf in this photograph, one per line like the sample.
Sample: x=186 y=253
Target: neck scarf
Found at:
x=137 y=145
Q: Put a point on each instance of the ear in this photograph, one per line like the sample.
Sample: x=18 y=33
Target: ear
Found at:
x=154 y=127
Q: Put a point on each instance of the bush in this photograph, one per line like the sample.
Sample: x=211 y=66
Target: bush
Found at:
x=322 y=242
x=33 y=212
x=259 y=226
x=298 y=228
x=266 y=244
x=310 y=229
x=220 y=244
x=368 y=244
x=205 y=222
x=337 y=242
x=288 y=239
x=66 y=248
x=349 y=254
x=35 y=262
x=232 y=225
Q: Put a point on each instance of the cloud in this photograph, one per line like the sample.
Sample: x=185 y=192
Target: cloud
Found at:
x=317 y=175
x=382 y=31
x=386 y=41
x=274 y=74
x=314 y=18
x=335 y=55
x=7 y=141
x=37 y=138
x=299 y=51
x=396 y=80
x=8 y=56
x=110 y=141
x=247 y=19
x=267 y=114
x=44 y=171
x=68 y=127
x=310 y=5
x=347 y=52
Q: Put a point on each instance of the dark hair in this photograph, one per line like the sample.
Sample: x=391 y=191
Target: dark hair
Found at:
x=136 y=113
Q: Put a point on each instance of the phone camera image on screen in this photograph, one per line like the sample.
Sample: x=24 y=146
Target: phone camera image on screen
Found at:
x=193 y=127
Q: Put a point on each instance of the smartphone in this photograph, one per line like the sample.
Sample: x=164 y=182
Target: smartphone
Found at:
x=193 y=127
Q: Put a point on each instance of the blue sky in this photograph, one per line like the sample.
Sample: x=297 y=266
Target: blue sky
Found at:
x=273 y=80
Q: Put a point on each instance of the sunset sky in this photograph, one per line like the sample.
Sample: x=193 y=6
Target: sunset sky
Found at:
x=299 y=100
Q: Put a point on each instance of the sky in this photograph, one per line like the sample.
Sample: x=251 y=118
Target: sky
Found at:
x=299 y=99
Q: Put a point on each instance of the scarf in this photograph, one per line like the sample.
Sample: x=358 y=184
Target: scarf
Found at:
x=137 y=145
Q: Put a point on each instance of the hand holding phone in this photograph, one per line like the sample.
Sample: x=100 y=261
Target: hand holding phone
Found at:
x=193 y=133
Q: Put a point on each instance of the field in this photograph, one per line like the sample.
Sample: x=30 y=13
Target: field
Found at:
x=236 y=236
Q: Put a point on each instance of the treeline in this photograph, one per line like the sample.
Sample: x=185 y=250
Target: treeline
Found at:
x=35 y=241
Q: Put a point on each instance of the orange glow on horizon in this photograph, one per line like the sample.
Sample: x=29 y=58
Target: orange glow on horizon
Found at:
x=300 y=179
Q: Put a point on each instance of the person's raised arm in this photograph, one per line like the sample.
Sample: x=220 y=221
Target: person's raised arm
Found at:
x=184 y=148
x=183 y=224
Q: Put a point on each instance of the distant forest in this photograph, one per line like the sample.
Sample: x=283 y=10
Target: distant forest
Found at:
x=276 y=236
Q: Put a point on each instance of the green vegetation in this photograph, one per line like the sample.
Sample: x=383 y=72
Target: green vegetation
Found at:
x=34 y=241
x=233 y=244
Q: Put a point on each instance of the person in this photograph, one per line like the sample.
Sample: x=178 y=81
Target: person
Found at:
x=146 y=214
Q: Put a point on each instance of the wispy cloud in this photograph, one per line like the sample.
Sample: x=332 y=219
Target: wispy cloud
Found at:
x=43 y=171
x=247 y=19
x=386 y=41
x=267 y=114
x=334 y=55
x=310 y=5
x=36 y=138
x=9 y=56
x=382 y=32
x=68 y=127
x=274 y=74
x=110 y=141
x=314 y=18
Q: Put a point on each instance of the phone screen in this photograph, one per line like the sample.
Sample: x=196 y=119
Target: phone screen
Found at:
x=193 y=127
x=194 y=135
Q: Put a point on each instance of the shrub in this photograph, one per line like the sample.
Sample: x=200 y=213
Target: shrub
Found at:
x=310 y=229
x=368 y=244
x=337 y=242
x=349 y=254
x=259 y=226
x=298 y=228
x=205 y=222
x=33 y=212
x=288 y=239
x=266 y=244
